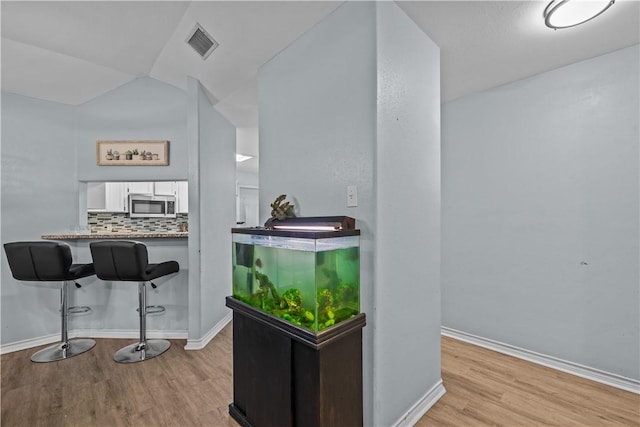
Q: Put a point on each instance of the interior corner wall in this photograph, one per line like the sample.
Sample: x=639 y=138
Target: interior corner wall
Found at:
x=217 y=210
x=211 y=159
x=407 y=241
x=323 y=127
x=38 y=159
x=540 y=213
x=193 y=160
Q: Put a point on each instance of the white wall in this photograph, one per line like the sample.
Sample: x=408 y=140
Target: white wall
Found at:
x=211 y=142
x=337 y=107
x=540 y=213
x=38 y=160
x=144 y=108
x=247 y=197
x=217 y=211
x=247 y=144
x=407 y=237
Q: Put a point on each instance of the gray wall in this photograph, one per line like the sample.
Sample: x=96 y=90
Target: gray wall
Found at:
x=215 y=138
x=144 y=108
x=38 y=160
x=407 y=194
x=336 y=107
x=540 y=213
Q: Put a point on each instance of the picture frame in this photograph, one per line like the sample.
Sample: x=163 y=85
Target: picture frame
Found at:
x=132 y=153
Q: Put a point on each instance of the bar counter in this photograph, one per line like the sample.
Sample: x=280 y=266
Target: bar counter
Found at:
x=114 y=303
x=151 y=235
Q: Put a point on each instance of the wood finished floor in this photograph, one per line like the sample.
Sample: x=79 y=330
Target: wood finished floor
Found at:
x=193 y=388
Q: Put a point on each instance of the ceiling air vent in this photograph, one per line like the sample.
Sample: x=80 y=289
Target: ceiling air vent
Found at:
x=201 y=41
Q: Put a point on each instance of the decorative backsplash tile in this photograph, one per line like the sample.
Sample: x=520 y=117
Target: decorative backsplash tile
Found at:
x=110 y=222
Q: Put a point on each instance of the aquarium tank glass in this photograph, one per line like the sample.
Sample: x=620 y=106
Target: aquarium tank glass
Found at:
x=312 y=282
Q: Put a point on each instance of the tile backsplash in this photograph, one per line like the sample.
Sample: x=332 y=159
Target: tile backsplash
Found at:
x=111 y=222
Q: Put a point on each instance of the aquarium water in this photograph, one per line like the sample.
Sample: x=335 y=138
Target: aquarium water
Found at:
x=312 y=283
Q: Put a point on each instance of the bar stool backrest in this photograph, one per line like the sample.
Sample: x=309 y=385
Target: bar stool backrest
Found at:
x=120 y=260
x=39 y=261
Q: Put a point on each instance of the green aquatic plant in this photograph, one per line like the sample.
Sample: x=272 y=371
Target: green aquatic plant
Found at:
x=332 y=307
x=332 y=277
x=325 y=299
x=291 y=300
x=291 y=309
x=265 y=285
x=346 y=295
x=288 y=306
x=326 y=315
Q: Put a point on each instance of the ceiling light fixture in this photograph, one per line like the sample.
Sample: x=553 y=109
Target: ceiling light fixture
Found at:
x=569 y=13
x=242 y=157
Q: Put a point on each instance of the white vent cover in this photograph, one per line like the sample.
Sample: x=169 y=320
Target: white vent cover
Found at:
x=201 y=41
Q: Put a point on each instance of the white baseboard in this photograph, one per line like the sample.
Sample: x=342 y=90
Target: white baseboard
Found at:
x=421 y=407
x=201 y=343
x=128 y=334
x=614 y=380
x=91 y=333
x=30 y=343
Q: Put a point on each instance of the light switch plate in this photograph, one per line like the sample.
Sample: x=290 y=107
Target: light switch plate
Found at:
x=352 y=196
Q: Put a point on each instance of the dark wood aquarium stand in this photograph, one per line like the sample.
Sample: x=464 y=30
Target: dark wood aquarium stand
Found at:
x=284 y=375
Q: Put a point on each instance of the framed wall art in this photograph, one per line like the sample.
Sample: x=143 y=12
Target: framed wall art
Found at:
x=132 y=153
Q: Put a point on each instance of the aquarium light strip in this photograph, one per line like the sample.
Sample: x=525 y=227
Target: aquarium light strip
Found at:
x=307 y=227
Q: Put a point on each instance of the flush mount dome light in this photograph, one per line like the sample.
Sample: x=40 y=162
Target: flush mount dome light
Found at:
x=569 y=13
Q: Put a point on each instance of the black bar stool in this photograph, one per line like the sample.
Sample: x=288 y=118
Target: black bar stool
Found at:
x=127 y=261
x=51 y=262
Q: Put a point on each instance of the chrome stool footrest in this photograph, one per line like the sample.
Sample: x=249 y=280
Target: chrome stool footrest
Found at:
x=79 y=309
x=153 y=309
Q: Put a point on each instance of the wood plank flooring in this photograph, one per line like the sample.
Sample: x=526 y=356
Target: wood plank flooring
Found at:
x=178 y=388
x=488 y=388
x=193 y=388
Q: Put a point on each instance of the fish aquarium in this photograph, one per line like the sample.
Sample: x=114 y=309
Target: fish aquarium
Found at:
x=309 y=279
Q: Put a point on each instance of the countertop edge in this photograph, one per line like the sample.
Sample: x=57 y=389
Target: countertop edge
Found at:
x=115 y=236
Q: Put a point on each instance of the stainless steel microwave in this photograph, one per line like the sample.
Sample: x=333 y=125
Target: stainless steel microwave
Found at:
x=146 y=206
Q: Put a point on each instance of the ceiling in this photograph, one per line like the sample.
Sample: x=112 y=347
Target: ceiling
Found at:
x=71 y=52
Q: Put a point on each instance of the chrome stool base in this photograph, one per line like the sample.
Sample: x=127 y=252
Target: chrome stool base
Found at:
x=61 y=351
x=138 y=352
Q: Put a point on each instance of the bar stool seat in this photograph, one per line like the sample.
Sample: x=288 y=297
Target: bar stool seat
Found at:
x=128 y=261
x=51 y=262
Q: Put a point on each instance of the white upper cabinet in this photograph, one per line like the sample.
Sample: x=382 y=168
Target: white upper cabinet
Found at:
x=106 y=197
x=140 y=188
x=164 y=188
x=115 y=197
x=96 y=196
x=182 y=196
